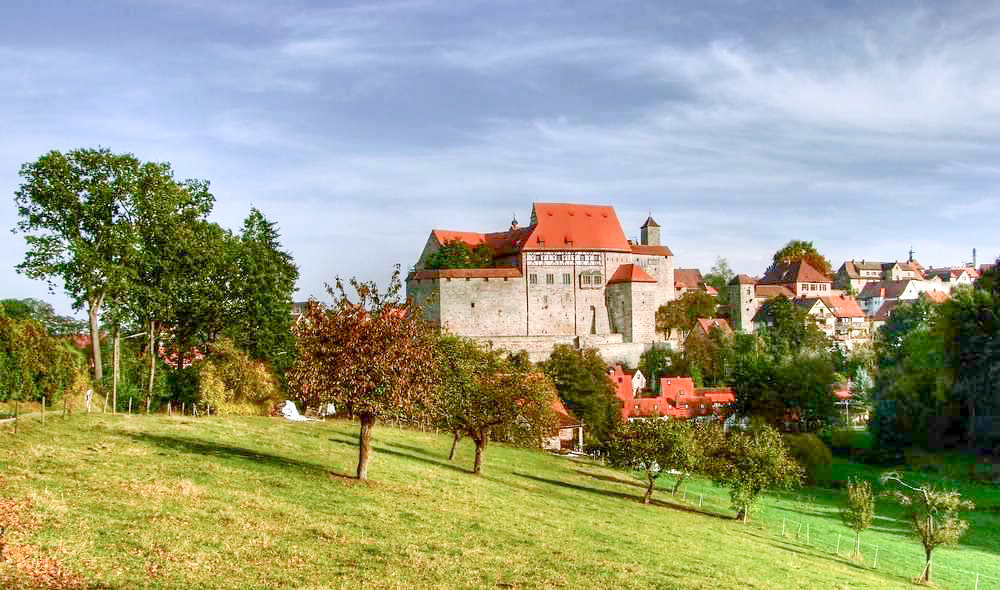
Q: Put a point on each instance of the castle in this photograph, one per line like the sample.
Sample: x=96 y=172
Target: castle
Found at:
x=570 y=277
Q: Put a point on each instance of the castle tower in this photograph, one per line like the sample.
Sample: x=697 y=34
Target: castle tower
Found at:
x=650 y=232
x=744 y=304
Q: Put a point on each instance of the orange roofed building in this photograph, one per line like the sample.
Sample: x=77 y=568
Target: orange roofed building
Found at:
x=570 y=277
x=678 y=398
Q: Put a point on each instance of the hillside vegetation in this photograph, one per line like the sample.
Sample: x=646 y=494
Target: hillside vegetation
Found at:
x=157 y=502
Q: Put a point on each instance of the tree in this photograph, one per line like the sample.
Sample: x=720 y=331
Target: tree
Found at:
x=373 y=356
x=75 y=210
x=681 y=314
x=457 y=254
x=719 y=278
x=654 y=363
x=581 y=378
x=43 y=313
x=777 y=389
x=789 y=329
x=859 y=511
x=653 y=446
x=751 y=462
x=934 y=515
x=798 y=250
x=261 y=318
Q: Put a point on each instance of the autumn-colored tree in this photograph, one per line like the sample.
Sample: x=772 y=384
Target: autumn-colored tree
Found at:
x=933 y=515
x=797 y=250
x=482 y=394
x=373 y=356
x=859 y=511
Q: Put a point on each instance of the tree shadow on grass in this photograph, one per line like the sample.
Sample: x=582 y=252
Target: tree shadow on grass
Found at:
x=624 y=496
x=611 y=479
x=383 y=450
x=202 y=447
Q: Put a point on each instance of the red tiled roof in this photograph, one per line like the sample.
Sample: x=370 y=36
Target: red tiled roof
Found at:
x=651 y=250
x=566 y=418
x=560 y=226
x=467 y=273
x=631 y=273
x=893 y=289
x=687 y=278
x=935 y=296
x=502 y=243
x=769 y=291
x=708 y=323
x=883 y=313
x=743 y=280
x=795 y=272
x=843 y=306
x=711 y=290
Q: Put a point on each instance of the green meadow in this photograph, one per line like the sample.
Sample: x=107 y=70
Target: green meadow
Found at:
x=159 y=502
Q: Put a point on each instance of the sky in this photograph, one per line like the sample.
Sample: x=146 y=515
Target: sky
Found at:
x=866 y=127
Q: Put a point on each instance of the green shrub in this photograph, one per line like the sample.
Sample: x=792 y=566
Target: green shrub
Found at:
x=847 y=440
x=814 y=456
x=231 y=383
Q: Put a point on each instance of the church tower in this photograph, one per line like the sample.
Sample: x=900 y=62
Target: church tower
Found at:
x=650 y=232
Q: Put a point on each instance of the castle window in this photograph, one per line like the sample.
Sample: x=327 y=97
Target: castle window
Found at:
x=567 y=279
x=585 y=279
x=597 y=278
x=473 y=304
x=533 y=279
x=550 y=279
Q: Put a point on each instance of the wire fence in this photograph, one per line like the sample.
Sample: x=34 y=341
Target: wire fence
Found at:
x=842 y=544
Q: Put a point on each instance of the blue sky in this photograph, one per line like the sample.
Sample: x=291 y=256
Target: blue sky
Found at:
x=865 y=127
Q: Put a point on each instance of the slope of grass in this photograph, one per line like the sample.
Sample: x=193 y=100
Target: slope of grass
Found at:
x=261 y=503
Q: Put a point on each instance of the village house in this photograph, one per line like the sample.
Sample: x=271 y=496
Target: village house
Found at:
x=570 y=277
x=874 y=295
x=688 y=279
x=854 y=275
x=569 y=433
x=678 y=398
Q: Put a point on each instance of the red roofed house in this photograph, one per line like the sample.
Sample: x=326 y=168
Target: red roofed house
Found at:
x=678 y=398
x=570 y=433
x=569 y=277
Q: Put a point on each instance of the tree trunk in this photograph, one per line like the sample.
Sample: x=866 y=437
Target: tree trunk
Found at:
x=454 y=445
x=857 y=546
x=365 y=446
x=680 y=481
x=648 y=496
x=480 y=441
x=927 y=568
x=152 y=360
x=116 y=356
x=94 y=309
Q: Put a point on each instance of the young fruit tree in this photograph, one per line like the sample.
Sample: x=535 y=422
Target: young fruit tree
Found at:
x=653 y=446
x=483 y=395
x=373 y=356
x=751 y=462
x=859 y=510
x=933 y=515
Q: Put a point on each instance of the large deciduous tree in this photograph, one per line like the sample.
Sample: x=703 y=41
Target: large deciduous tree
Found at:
x=798 y=250
x=681 y=314
x=581 y=378
x=74 y=209
x=481 y=395
x=933 y=513
x=372 y=355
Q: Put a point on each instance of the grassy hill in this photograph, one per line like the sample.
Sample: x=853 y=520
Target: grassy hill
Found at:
x=132 y=502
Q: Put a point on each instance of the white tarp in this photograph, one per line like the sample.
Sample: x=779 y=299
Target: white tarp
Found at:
x=290 y=412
